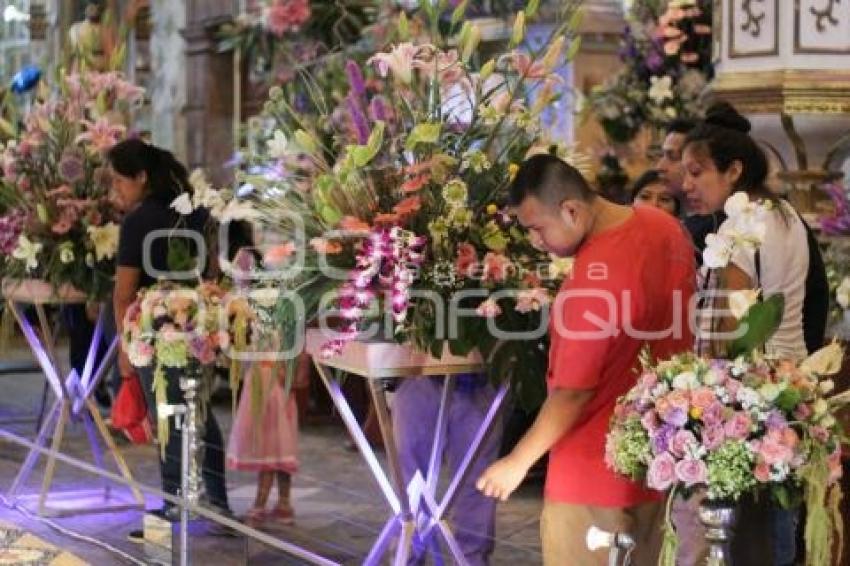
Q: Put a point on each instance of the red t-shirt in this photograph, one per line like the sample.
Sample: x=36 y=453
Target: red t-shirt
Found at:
x=622 y=290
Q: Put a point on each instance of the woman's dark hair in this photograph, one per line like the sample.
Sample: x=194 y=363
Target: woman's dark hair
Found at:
x=724 y=136
x=167 y=177
x=651 y=177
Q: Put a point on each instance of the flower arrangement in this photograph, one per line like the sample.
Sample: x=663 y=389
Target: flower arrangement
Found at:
x=837 y=223
x=59 y=224
x=667 y=57
x=399 y=213
x=277 y=36
x=171 y=326
x=734 y=427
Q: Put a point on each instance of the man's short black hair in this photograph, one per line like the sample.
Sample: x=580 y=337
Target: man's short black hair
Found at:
x=680 y=126
x=550 y=179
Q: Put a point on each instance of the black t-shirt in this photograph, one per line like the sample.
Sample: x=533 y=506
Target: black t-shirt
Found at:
x=149 y=216
x=701 y=225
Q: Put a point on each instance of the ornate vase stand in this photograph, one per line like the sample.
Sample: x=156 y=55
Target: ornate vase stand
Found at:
x=72 y=394
x=417 y=509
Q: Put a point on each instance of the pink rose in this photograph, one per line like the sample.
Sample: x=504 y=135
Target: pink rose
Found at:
x=762 y=472
x=773 y=451
x=713 y=436
x=691 y=471
x=703 y=397
x=681 y=440
x=649 y=420
x=466 y=259
x=803 y=411
x=819 y=433
x=679 y=399
x=713 y=414
x=489 y=309
x=662 y=472
x=738 y=427
x=496 y=267
x=732 y=386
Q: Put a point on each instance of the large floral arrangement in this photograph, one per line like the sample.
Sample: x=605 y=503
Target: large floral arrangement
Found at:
x=59 y=224
x=400 y=213
x=666 y=53
x=734 y=427
x=173 y=326
x=278 y=36
x=741 y=423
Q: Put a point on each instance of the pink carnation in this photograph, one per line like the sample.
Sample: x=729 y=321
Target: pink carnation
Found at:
x=466 y=259
x=713 y=414
x=285 y=15
x=662 y=472
x=773 y=451
x=713 y=436
x=762 y=472
x=738 y=427
x=703 y=398
x=681 y=440
x=496 y=267
x=691 y=471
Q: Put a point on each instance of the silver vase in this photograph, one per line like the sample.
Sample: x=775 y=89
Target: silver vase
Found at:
x=718 y=518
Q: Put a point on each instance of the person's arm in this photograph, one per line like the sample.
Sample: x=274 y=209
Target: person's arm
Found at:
x=126 y=285
x=557 y=416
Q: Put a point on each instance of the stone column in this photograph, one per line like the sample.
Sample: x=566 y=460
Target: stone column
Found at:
x=209 y=79
x=168 y=81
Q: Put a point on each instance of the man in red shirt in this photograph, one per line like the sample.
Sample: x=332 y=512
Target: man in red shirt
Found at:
x=632 y=280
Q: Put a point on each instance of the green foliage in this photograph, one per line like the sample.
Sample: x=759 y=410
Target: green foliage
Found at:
x=761 y=322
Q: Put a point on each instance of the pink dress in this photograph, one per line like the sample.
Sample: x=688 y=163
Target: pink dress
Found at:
x=265 y=439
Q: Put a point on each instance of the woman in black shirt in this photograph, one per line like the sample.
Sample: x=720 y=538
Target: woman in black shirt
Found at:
x=146 y=180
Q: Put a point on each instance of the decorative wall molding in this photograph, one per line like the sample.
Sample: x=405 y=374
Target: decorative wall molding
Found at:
x=786 y=91
x=822 y=26
x=753 y=28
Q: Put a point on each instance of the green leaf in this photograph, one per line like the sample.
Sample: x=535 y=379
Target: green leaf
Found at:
x=459 y=12
x=576 y=19
x=519 y=29
x=330 y=214
x=761 y=321
x=531 y=9
x=427 y=133
x=361 y=155
x=788 y=399
x=437 y=348
x=179 y=256
x=572 y=50
x=403 y=27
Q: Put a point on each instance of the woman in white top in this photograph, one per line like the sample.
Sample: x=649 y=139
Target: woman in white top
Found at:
x=719 y=159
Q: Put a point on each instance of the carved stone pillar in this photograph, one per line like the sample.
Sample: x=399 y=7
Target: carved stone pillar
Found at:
x=209 y=80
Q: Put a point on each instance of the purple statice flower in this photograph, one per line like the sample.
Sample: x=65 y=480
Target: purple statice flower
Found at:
x=378 y=109
x=358 y=118
x=660 y=439
x=355 y=78
x=654 y=61
x=776 y=420
x=11 y=227
x=71 y=168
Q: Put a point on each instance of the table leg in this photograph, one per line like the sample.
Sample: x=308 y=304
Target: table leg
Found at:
x=64 y=414
x=405 y=542
x=380 y=546
x=359 y=438
x=113 y=449
x=32 y=456
x=433 y=476
x=379 y=398
x=451 y=541
x=96 y=451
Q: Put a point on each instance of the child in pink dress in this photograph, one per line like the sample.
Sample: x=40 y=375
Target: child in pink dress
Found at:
x=264 y=437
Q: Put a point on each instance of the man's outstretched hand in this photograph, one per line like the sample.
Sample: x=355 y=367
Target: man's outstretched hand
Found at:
x=502 y=478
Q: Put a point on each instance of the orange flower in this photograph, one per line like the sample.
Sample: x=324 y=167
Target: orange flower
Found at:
x=325 y=247
x=387 y=218
x=408 y=206
x=277 y=255
x=353 y=224
x=415 y=183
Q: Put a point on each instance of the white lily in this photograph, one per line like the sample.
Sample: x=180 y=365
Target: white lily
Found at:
x=278 y=145
x=842 y=294
x=826 y=361
x=238 y=210
x=660 y=89
x=741 y=301
x=183 y=204
x=27 y=251
x=105 y=240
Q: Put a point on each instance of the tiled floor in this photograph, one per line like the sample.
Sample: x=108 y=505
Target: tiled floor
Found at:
x=339 y=508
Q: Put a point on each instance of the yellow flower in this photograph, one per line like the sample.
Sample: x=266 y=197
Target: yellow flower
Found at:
x=696 y=412
x=492 y=209
x=104 y=239
x=512 y=170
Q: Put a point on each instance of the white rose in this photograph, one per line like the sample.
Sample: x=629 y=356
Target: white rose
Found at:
x=686 y=380
x=66 y=254
x=741 y=301
x=770 y=391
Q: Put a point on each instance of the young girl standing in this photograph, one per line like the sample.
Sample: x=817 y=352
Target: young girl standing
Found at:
x=264 y=437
